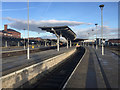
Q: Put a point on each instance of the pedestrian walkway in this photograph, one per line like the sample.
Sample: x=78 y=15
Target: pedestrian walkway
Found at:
x=95 y=70
x=109 y=67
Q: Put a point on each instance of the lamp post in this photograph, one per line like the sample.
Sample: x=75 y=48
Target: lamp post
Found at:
x=70 y=43
x=92 y=42
x=39 y=43
x=28 y=49
x=24 y=38
x=96 y=36
x=88 y=39
x=101 y=7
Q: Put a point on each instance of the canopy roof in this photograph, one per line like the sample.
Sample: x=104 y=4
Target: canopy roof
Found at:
x=64 y=31
x=78 y=40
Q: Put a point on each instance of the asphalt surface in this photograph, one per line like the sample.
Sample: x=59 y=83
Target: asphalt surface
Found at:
x=11 y=64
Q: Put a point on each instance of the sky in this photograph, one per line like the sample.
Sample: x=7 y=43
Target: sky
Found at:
x=79 y=16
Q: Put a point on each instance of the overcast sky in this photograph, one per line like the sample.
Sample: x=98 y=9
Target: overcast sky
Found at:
x=79 y=16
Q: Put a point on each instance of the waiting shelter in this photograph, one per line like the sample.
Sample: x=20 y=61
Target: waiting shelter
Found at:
x=61 y=31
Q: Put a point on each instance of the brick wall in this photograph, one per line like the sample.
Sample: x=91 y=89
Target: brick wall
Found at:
x=15 y=34
x=5 y=27
x=114 y=40
x=11 y=33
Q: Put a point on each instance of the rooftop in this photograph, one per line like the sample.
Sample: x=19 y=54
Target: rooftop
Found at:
x=64 y=31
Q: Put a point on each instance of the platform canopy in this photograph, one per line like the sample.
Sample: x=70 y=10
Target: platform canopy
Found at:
x=63 y=31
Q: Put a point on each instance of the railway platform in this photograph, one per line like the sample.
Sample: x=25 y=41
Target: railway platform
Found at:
x=14 y=63
x=95 y=70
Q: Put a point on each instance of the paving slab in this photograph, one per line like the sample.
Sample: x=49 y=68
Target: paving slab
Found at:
x=96 y=70
x=109 y=63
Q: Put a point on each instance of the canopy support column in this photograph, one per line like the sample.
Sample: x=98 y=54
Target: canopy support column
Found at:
x=92 y=44
x=52 y=43
x=67 y=43
x=39 y=44
x=83 y=43
x=18 y=44
x=45 y=43
x=70 y=43
x=99 y=42
x=58 y=41
x=6 y=44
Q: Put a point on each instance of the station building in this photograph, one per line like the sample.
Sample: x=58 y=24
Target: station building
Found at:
x=35 y=38
x=10 y=32
x=114 y=41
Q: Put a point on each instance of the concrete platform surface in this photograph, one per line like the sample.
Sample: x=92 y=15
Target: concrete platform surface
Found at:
x=95 y=70
x=14 y=63
x=12 y=49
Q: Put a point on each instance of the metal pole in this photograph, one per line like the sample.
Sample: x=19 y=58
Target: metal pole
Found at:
x=108 y=43
x=92 y=44
x=102 y=30
x=24 y=38
x=99 y=42
x=39 y=43
x=28 y=50
x=18 y=44
x=96 y=37
x=67 y=43
x=45 y=43
x=6 y=44
x=70 y=43
x=88 y=39
x=58 y=40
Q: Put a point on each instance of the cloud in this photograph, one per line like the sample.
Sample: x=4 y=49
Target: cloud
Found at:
x=49 y=36
x=19 y=24
x=33 y=25
x=108 y=32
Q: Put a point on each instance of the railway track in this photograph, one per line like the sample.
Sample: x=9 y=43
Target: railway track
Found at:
x=57 y=78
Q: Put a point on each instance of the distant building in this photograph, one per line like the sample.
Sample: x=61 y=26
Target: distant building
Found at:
x=89 y=41
x=10 y=32
x=114 y=41
x=99 y=41
x=35 y=38
x=1 y=33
